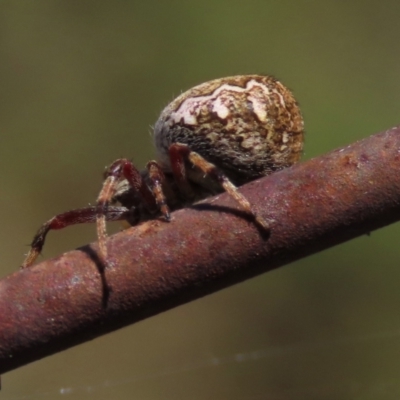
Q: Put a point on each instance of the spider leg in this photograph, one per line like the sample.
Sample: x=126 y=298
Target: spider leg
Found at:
x=180 y=152
x=157 y=180
x=73 y=217
x=118 y=170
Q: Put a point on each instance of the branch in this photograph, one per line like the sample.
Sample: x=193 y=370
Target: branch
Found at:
x=209 y=246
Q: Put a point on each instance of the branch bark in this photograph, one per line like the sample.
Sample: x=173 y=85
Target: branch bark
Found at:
x=156 y=266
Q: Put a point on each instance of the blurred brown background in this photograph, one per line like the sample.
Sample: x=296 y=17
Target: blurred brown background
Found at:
x=82 y=82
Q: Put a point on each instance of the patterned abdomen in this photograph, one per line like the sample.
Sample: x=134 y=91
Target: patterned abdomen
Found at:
x=247 y=125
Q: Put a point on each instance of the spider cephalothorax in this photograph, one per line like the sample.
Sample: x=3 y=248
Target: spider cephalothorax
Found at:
x=215 y=136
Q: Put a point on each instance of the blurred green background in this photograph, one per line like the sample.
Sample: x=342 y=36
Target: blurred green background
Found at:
x=81 y=84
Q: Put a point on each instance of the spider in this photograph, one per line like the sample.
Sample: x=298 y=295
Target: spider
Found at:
x=212 y=138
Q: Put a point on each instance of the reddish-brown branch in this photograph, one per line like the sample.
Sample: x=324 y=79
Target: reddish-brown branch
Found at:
x=157 y=265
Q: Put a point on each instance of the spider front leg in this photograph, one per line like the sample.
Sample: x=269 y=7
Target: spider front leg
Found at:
x=179 y=153
x=151 y=196
x=80 y=216
x=102 y=212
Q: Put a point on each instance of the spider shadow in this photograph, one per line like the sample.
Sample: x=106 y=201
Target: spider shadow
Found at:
x=264 y=233
x=101 y=267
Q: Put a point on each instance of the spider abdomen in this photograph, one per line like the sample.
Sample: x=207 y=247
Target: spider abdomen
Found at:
x=247 y=125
